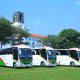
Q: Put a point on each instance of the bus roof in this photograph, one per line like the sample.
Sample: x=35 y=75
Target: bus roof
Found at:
x=45 y=47
x=74 y=49
x=22 y=46
x=62 y=49
x=77 y=49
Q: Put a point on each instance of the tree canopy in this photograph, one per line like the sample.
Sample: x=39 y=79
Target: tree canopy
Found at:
x=10 y=33
x=67 y=38
x=18 y=35
x=5 y=30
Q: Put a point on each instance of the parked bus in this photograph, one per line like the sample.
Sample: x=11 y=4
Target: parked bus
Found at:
x=16 y=56
x=69 y=57
x=45 y=56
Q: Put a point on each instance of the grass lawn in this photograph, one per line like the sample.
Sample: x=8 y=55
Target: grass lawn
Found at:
x=40 y=73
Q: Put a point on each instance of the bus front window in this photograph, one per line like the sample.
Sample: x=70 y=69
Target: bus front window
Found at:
x=25 y=52
x=51 y=53
x=78 y=54
x=52 y=56
x=25 y=55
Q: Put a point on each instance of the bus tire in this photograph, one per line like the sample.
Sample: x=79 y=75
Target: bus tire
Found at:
x=42 y=63
x=14 y=65
x=72 y=64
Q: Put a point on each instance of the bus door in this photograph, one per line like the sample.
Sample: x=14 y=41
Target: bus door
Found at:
x=43 y=53
x=73 y=54
x=15 y=53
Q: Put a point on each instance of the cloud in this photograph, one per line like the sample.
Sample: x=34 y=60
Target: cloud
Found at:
x=77 y=2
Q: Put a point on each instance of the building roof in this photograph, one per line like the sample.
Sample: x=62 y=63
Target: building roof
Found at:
x=37 y=36
x=18 y=12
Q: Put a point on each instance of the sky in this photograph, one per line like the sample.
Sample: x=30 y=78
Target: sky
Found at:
x=44 y=17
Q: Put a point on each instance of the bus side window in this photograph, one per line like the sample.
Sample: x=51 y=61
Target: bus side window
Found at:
x=37 y=51
x=2 y=53
x=73 y=54
x=9 y=51
x=57 y=53
x=63 y=52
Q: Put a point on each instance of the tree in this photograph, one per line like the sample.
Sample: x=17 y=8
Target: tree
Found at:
x=71 y=37
x=54 y=41
x=5 y=30
x=67 y=38
x=11 y=34
x=18 y=35
x=48 y=41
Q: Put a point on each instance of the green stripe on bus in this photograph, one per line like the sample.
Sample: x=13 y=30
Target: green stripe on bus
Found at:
x=27 y=61
x=2 y=63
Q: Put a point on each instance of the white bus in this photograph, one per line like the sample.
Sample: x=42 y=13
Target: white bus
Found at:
x=45 y=56
x=69 y=57
x=16 y=56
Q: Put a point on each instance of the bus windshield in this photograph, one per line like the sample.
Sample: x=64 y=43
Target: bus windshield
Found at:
x=51 y=53
x=51 y=56
x=25 y=52
x=78 y=53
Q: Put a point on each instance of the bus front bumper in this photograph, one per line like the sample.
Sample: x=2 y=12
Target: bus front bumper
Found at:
x=24 y=65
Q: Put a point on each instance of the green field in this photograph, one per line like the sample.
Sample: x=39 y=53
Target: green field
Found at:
x=40 y=73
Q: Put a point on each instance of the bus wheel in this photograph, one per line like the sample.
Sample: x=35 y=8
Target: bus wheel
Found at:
x=42 y=63
x=72 y=64
x=14 y=65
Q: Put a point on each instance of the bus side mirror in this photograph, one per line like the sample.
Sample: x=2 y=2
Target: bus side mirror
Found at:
x=58 y=53
x=19 y=51
x=33 y=52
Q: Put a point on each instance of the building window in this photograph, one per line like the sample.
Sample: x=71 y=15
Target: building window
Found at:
x=39 y=45
x=29 y=39
x=33 y=39
x=14 y=19
x=36 y=45
x=33 y=44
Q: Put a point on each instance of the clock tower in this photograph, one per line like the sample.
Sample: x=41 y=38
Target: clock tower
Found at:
x=18 y=19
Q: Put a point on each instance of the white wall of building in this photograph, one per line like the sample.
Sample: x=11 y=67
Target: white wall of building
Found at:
x=34 y=42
